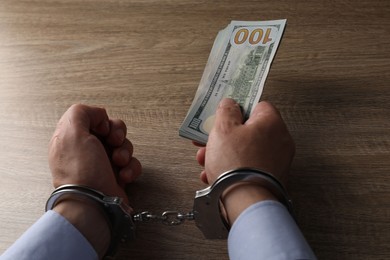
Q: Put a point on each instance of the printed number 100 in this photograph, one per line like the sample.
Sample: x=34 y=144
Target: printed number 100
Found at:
x=254 y=37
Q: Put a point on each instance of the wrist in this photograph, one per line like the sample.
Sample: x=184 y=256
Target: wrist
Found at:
x=241 y=196
x=90 y=219
x=237 y=189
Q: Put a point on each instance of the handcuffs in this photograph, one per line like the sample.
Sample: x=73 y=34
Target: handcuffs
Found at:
x=206 y=209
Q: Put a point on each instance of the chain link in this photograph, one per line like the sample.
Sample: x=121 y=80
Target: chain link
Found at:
x=170 y=218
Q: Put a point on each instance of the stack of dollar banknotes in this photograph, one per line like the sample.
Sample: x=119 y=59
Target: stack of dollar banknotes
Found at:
x=237 y=68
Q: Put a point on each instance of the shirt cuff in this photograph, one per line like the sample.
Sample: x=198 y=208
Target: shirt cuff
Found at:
x=51 y=237
x=266 y=230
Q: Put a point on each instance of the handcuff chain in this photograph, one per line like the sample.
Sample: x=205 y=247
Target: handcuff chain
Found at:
x=169 y=218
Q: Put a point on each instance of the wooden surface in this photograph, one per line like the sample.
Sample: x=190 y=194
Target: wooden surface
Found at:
x=143 y=60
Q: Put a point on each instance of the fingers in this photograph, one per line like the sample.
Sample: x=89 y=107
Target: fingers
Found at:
x=198 y=144
x=263 y=112
x=131 y=172
x=95 y=119
x=117 y=133
x=201 y=156
x=228 y=114
x=203 y=177
x=121 y=156
x=130 y=167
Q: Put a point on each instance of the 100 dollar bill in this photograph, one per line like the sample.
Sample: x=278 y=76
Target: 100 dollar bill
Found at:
x=237 y=68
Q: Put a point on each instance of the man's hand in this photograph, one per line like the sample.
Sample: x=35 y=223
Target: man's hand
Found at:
x=90 y=149
x=86 y=148
x=262 y=142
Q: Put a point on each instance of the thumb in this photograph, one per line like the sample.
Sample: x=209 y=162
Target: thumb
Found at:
x=228 y=114
x=89 y=118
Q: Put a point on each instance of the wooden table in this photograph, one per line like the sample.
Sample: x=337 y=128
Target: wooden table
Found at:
x=143 y=60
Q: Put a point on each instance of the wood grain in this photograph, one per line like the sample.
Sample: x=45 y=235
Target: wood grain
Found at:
x=143 y=60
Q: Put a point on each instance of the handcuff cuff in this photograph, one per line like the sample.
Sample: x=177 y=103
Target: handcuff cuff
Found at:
x=206 y=210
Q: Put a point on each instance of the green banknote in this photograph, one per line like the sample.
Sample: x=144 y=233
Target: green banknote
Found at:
x=237 y=68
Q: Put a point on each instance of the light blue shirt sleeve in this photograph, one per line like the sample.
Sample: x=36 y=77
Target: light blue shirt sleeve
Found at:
x=51 y=237
x=266 y=230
